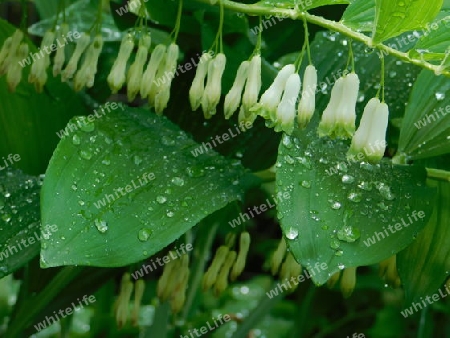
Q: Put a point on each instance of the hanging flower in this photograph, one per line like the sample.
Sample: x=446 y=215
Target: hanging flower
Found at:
x=253 y=85
x=38 y=73
x=116 y=77
x=213 y=88
x=286 y=108
x=163 y=94
x=135 y=73
x=198 y=84
x=307 y=103
x=234 y=96
x=348 y=281
x=60 y=55
x=269 y=101
x=239 y=265
x=370 y=138
x=14 y=73
x=81 y=45
x=9 y=51
x=149 y=75
x=86 y=74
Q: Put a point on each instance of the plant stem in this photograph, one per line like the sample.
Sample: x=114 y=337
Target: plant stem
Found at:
x=296 y=14
x=439 y=175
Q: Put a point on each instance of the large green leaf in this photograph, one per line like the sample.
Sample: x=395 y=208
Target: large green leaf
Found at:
x=393 y=17
x=426 y=125
x=29 y=120
x=336 y=206
x=360 y=15
x=19 y=220
x=424 y=265
x=91 y=169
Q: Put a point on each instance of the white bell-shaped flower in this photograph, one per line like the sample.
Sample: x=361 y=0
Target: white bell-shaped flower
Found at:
x=117 y=77
x=86 y=74
x=163 y=94
x=198 y=84
x=307 y=103
x=153 y=65
x=60 y=56
x=369 y=140
x=14 y=73
x=213 y=89
x=269 y=101
x=81 y=45
x=234 y=96
x=135 y=73
x=10 y=47
x=287 y=108
x=38 y=73
x=253 y=85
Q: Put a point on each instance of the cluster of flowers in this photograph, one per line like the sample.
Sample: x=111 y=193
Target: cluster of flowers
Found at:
x=12 y=51
x=121 y=306
x=227 y=263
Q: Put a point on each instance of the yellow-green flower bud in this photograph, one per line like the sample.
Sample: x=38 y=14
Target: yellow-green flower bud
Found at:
x=81 y=45
x=239 y=265
x=222 y=280
x=333 y=279
x=267 y=106
x=286 y=109
x=163 y=287
x=117 y=77
x=253 y=85
x=179 y=292
x=60 y=56
x=198 y=84
x=156 y=86
x=211 y=274
x=234 y=96
x=11 y=52
x=123 y=301
x=348 y=281
x=5 y=50
x=307 y=103
x=213 y=89
x=278 y=256
x=14 y=73
x=370 y=137
x=138 y=294
x=135 y=73
x=388 y=271
x=245 y=119
x=86 y=74
x=290 y=268
x=153 y=65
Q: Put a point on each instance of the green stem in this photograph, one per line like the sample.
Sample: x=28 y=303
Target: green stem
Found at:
x=439 y=175
x=295 y=14
x=308 y=50
x=160 y=325
x=178 y=22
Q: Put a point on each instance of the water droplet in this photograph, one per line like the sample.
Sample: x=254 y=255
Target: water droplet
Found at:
x=177 y=181
x=85 y=125
x=339 y=253
x=76 y=139
x=287 y=142
x=289 y=159
x=354 y=197
x=335 y=244
x=341 y=266
x=137 y=159
x=292 y=234
x=348 y=234
x=347 y=179
x=161 y=199
x=305 y=184
x=364 y=185
x=74 y=187
x=336 y=205
x=86 y=154
x=439 y=96
x=101 y=225
x=195 y=171
x=144 y=234
x=170 y=214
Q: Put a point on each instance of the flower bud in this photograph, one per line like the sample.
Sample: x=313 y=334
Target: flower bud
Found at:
x=290 y=268
x=86 y=74
x=123 y=301
x=163 y=95
x=348 y=281
x=307 y=103
x=239 y=265
x=152 y=67
x=60 y=55
x=245 y=120
x=138 y=294
x=5 y=50
x=388 y=271
x=267 y=106
x=14 y=73
x=328 y=119
x=81 y=45
x=213 y=89
x=38 y=72
x=116 y=77
x=278 y=256
x=253 y=85
x=11 y=47
x=169 y=271
x=178 y=296
x=198 y=84
x=286 y=108
x=234 y=96
x=370 y=138
x=333 y=279
x=211 y=275
x=135 y=73
x=222 y=280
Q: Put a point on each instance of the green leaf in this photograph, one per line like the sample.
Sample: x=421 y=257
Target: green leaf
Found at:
x=46 y=8
x=303 y=5
x=19 y=219
x=435 y=41
x=360 y=15
x=336 y=206
x=426 y=125
x=132 y=185
x=393 y=17
x=424 y=265
x=29 y=120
